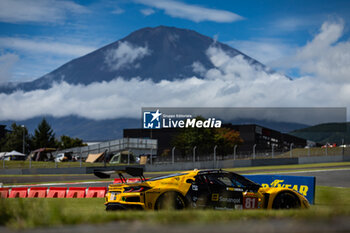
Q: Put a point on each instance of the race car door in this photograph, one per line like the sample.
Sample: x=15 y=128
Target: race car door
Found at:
x=199 y=193
x=224 y=195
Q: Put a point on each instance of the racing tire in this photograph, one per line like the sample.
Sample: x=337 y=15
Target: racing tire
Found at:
x=171 y=201
x=286 y=200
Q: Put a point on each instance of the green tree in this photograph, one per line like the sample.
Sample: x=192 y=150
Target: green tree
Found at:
x=68 y=142
x=44 y=136
x=14 y=139
x=202 y=138
x=205 y=139
x=226 y=139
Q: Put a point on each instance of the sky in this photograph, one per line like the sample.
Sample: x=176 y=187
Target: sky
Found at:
x=308 y=41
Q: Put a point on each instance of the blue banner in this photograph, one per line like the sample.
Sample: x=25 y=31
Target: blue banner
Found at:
x=305 y=185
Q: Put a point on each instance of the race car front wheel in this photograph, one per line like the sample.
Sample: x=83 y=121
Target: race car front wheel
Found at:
x=286 y=200
x=170 y=201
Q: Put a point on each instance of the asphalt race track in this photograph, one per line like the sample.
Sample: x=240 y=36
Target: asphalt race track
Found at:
x=332 y=178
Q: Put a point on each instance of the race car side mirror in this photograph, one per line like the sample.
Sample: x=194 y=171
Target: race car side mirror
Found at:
x=189 y=181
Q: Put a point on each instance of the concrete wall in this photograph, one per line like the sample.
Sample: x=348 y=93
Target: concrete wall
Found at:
x=322 y=159
x=181 y=166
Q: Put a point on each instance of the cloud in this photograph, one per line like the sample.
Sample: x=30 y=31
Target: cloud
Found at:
x=192 y=12
x=118 y=11
x=125 y=55
x=147 y=12
x=233 y=82
x=325 y=57
x=264 y=50
x=39 y=46
x=38 y=11
x=7 y=61
x=292 y=24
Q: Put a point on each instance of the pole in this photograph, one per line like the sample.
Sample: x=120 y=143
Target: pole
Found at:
x=23 y=139
x=81 y=155
x=173 y=155
x=326 y=149
x=273 y=150
x=308 y=152
x=290 y=150
x=234 y=152
x=254 y=151
x=128 y=157
x=194 y=153
x=215 y=155
x=343 y=146
x=55 y=160
x=152 y=155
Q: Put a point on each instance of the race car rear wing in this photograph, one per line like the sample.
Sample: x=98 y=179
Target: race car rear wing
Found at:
x=106 y=172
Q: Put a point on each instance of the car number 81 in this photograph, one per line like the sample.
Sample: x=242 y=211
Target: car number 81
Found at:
x=250 y=203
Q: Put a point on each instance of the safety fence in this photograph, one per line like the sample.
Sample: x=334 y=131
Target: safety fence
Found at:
x=272 y=153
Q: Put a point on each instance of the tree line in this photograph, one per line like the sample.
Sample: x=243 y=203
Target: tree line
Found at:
x=205 y=139
x=43 y=137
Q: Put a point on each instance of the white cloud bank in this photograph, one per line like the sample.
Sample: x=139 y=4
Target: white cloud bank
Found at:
x=125 y=55
x=38 y=11
x=232 y=83
x=194 y=13
x=325 y=57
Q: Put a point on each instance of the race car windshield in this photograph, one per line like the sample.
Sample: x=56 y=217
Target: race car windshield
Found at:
x=167 y=176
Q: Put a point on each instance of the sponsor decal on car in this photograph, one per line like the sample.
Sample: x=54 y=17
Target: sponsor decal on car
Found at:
x=305 y=185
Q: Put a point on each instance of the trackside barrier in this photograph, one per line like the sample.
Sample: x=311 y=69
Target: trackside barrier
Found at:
x=57 y=192
x=96 y=192
x=4 y=192
x=76 y=192
x=18 y=192
x=39 y=192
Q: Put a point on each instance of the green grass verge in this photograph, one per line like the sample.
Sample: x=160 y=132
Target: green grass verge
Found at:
x=30 y=213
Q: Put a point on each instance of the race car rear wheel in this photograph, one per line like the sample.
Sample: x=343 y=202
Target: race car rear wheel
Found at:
x=170 y=201
x=286 y=200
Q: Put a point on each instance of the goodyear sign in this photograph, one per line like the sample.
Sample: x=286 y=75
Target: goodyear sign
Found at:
x=305 y=185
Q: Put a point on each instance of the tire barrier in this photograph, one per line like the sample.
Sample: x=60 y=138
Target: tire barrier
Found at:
x=4 y=192
x=18 y=192
x=76 y=192
x=57 y=192
x=96 y=192
x=39 y=192
x=53 y=192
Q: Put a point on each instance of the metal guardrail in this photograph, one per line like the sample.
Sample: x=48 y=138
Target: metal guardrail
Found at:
x=115 y=146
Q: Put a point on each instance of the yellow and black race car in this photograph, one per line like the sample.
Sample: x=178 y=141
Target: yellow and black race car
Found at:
x=215 y=189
